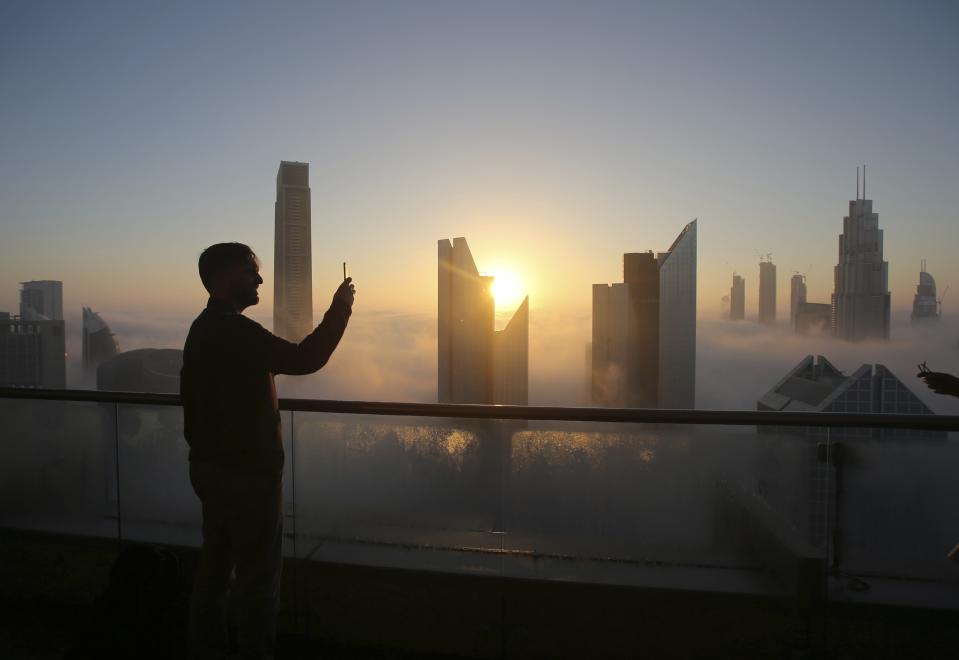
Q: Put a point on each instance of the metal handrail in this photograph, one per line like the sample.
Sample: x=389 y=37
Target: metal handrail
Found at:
x=532 y=413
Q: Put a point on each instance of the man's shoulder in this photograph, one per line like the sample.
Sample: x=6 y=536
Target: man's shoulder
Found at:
x=210 y=325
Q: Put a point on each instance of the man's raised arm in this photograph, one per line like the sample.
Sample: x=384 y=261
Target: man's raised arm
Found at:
x=284 y=357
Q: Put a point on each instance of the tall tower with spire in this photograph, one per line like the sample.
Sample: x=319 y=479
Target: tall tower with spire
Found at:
x=861 y=299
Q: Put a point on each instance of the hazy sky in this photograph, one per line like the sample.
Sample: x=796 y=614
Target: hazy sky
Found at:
x=554 y=136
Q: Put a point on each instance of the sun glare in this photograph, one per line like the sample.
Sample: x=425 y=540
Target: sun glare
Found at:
x=507 y=288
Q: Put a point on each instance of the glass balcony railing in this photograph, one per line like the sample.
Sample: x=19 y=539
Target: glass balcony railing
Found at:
x=814 y=508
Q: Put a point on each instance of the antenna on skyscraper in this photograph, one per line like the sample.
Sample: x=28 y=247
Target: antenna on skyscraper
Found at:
x=857 y=183
x=864 y=181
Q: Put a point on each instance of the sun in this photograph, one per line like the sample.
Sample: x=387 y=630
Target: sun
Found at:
x=508 y=290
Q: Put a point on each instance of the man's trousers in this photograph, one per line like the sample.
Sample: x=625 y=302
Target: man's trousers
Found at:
x=243 y=554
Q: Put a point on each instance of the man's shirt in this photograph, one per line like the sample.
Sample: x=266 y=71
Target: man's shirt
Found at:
x=230 y=413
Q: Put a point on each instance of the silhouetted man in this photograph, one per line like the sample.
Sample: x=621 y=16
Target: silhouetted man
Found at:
x=232 y=424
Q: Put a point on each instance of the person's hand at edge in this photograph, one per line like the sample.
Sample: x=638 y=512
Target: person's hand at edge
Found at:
x=941 y=383
x=345 y=292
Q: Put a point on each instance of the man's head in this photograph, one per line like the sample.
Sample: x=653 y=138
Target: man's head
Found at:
x=231 y=272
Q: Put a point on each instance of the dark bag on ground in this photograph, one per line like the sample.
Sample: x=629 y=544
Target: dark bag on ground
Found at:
x=137 y=615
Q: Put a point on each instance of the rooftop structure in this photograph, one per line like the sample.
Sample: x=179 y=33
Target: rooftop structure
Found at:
x=815 y=385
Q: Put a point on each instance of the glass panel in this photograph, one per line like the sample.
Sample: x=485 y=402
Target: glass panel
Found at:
x=157 y=503
x=57 y=467
x=406 y=492
x=661 y=505
x=896 y=519
x=722 y=508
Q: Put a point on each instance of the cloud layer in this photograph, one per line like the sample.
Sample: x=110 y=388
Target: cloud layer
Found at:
x=392 y=356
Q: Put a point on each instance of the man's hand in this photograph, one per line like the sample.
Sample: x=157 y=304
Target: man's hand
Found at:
x=941 y=383
x=345 y=292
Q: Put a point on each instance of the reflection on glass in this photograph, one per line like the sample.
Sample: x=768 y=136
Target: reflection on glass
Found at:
x=57 y=467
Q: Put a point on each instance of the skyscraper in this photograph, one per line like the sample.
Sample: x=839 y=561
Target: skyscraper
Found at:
x=293 y=271
x=511 y=359
x=925 y=305
x=614 y=342
x=737 y=299
x=797 y=296
x=767 y=291
x=861 y=299
x=644 y=330
x=32 y=353
x=41 y=300
x=641 y=279
x=476 y=363
x=677 y=321
x=99 y=343
x=33 y=345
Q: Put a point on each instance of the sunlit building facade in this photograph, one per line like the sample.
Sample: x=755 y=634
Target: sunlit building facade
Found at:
x=293 y=269
x=644 y=330
x=475 y=363
x=613 y=335
x=677 y=321
x=511 y=359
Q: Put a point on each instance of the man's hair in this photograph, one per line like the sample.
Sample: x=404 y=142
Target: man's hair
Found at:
x=221 y=256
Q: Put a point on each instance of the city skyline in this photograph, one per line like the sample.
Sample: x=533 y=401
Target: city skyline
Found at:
x=553 y=160
x=298 y=293
x=530 y=142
